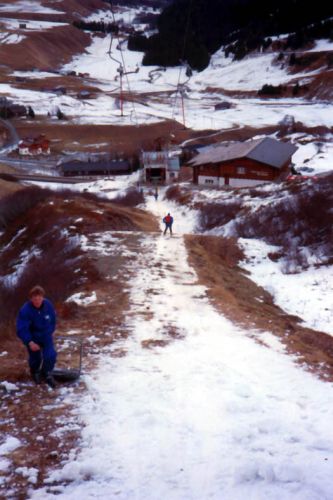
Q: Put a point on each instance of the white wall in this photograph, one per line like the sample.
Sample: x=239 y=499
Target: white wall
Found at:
x=245 y=182
x=208 y=181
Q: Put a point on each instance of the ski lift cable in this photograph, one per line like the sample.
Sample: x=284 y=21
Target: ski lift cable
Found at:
x=122 y=64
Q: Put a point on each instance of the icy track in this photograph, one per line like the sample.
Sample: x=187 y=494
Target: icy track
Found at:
x=212 y=415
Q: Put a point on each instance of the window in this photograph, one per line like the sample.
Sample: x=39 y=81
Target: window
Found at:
x=240 y=170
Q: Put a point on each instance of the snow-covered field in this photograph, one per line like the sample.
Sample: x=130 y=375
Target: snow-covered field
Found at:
x=307 y=294
x=211 y=415
x=35 y=6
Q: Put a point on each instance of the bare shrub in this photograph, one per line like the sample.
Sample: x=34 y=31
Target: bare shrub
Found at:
x=179 y=195
x=37 y=250
x=55 y=269
x=60 y=269
x=304 y=220
x=258 y=193
x=16 y=204
x=8 y=177
x=219 y=249
x=132 y=198
x=218 y=214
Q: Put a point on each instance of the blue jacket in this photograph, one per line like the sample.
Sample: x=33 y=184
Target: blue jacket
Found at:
x=36 y=324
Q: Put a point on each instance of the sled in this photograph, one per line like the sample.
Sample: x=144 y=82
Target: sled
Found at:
x=70 y=351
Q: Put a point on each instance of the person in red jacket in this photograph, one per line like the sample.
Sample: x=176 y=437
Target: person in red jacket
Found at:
x=168 y=221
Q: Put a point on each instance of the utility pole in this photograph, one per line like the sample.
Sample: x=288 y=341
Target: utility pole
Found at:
x=182 y=93
x=121 y=97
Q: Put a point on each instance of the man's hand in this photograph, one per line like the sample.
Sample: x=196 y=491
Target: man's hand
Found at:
x=33 y=346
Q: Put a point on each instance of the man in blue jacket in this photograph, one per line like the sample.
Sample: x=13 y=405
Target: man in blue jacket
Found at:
x=35 y=325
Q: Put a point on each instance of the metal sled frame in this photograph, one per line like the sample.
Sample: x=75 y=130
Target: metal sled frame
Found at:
x=70 y=374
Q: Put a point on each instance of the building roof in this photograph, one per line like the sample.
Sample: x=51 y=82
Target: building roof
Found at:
x=268 y=151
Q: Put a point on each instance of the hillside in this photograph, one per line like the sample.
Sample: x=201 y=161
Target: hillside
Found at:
x=207 y=359
x=153 y=104
x=159 y=317
x=192 y=30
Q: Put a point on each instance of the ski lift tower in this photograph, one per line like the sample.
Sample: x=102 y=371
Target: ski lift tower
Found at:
x=120 y=70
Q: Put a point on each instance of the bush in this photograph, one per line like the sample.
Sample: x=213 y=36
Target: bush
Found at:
x=55 y=269
x=271 y=90
x=218 y=214
x=303 y=221
x=181 y=196
x=131 y=198
x=36 y=250
x=16 y=204
x=8 y=177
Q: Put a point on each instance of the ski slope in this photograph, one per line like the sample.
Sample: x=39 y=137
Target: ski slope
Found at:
x=211 y=415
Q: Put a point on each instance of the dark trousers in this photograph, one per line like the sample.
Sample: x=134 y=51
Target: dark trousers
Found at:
x=42 y=360
x=168 y=226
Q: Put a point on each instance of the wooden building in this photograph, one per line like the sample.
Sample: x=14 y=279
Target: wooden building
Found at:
x=102 y=167
x=243 y=163
x=34 y=146
x=159 y=166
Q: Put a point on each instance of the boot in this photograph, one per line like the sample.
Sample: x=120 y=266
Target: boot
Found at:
x=36 y=376
x=49 y=379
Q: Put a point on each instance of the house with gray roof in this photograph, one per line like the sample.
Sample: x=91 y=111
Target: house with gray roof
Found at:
x=243 y=164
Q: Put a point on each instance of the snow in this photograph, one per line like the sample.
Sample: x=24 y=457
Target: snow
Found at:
x=211 y=414
x=8 y=386
x=28 y=6
x=30 y=473
x=11 y=38
x=197 y=408
x=82 y=299
x=314 y=157
x=31 y=25
x=164 y=102
x=307 y=294
x=322 y=45
x=10 y=444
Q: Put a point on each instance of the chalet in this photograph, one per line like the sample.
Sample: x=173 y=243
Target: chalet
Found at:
x=34 y=146
x=160 y=166
x=101 y=167
x=243 y=163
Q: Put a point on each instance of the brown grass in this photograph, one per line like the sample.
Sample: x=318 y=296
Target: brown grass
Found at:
x=46 y=50
x=250 y=306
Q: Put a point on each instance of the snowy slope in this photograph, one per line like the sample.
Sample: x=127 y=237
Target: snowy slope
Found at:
x=250 y=74
x=211 y=415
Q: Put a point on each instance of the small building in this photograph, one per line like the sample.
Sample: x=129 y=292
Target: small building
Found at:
x=101 y=167
x=160 y=166
x=34 y=146
x=243 y=164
